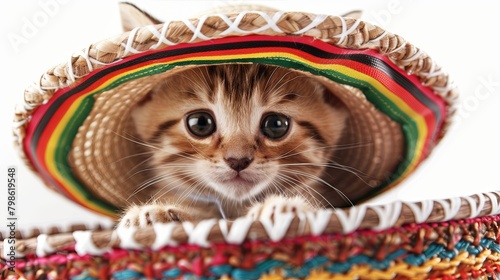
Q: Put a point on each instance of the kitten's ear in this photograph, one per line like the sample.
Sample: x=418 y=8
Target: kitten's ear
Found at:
x=133 y=17
x=356 y=14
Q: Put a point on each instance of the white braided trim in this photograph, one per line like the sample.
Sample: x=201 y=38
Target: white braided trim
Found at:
x=319 y=220
x=234 y=25
x=495 y=206
x=414 y=57
x=388 y=215
x=346 y=31
x=238 y=231
x=350 y=222
x=451 y=85
x=127 y=240
x=475 y=209
x=277 y=228
x=19 y=123
x=162 y=37
x=198 y=235
x=421 y=212
x=315 y=22
x=128 y=45
x=84 y=244
x=43 y=248
x=379 y=37
x=163 y=233
x=450 y=208
x=85 y=55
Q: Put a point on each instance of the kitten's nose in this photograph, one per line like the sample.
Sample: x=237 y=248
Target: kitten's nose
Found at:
x=238 y=164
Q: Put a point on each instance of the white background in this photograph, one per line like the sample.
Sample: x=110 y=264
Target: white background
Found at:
x=462 y=36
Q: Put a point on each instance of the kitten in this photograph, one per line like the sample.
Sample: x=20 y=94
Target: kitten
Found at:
x=228 y=140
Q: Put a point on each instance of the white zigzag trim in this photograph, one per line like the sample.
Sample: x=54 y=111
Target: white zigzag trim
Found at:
x=388 y=215
x=451 y=208
x=84 y=244
x=423 y=212
x=351 y=221
x=43 y=248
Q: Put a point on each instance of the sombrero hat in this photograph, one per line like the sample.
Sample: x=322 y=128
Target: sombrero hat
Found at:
x=74 y=124
x=70 y=131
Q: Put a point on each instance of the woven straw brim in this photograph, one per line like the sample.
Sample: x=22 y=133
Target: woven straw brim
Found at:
x=103 y=157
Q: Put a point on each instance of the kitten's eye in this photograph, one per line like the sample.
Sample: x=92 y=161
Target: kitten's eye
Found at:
x=200 y=124
x=275 y=126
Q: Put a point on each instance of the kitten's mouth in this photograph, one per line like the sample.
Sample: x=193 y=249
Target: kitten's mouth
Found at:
x=238 y=179
x=239 y=186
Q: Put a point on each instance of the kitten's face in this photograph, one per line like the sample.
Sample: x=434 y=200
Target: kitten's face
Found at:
x=238 y=131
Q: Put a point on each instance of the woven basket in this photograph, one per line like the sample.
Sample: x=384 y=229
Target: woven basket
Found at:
x=444 y=239
x=398 y=98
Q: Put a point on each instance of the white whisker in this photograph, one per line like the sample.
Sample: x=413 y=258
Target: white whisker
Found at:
x=164 y=190
x=335 y=165
x=156 y=179
x=318 y=179
x=333 y=147
x=309 y=189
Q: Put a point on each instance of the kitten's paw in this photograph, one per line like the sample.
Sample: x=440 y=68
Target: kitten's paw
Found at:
x=144 y=215
x=275 y=205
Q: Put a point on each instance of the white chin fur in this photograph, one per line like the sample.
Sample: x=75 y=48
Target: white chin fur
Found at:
x=239 y=192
